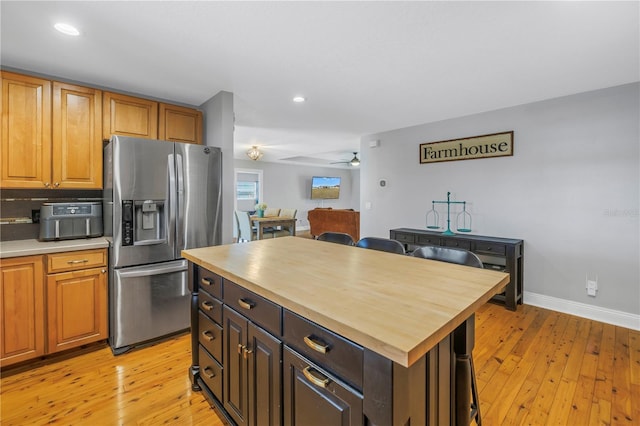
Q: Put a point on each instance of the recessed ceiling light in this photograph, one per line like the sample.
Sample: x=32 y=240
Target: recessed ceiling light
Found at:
x=299 y=99
x=66 y=29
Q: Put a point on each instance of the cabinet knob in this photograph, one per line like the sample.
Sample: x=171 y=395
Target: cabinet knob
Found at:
x=47 y=184
x=104 y=271
x=56 y=184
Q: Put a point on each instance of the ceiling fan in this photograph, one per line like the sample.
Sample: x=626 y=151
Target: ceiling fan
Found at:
x=355 y=161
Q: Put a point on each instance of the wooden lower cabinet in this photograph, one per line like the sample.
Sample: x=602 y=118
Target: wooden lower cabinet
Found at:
x=50 y=303
x=313 y=396
x=22 y=331
x=252 y=372
x=76 y=308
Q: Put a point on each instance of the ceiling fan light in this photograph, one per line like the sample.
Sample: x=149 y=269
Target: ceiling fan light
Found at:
x=355 y=161
x=254 y=153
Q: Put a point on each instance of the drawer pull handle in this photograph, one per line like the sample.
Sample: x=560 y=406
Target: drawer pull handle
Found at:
x=207 y=305
x=75 y=262
x=205 y=281
x=209 y=373
x=207 y=335
x=317 y=379
x=323 y=348
x=246 y=304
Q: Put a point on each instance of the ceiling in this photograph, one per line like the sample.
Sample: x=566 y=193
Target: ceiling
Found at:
x=364 y=67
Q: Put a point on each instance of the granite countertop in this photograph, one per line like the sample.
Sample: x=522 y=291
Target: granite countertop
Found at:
x=35 y=247
x=398 y=306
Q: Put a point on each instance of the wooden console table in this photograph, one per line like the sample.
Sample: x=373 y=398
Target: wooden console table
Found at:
x=502 y=254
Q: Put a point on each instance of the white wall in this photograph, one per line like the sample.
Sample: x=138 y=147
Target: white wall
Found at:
x=570 y=191
x=289 y=186
x=218 y=131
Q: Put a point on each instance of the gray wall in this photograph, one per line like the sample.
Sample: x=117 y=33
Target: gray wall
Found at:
x=218 y=131
x=289 y=186
x=571 y=190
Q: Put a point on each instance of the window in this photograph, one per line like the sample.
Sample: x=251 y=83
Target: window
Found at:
x=247 y=191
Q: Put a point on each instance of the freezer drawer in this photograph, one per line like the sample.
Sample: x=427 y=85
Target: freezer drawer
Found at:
x=147 y=302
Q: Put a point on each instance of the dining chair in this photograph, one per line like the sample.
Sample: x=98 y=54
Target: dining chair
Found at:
x=460 y=257
x=336 y=237
x=281 y=231
x=245 y=231
x=381 y=244
x=448 y=254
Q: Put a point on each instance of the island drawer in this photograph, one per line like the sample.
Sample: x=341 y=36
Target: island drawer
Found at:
x=210 y=336
x=258 y=309
x=210 y=306
x=210 y=372
x=461 y=244
x=331 y=351
x=210 y=282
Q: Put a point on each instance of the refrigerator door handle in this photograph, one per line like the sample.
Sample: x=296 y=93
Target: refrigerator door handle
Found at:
x=171 y=197
x=152 y=270
x=180 y=207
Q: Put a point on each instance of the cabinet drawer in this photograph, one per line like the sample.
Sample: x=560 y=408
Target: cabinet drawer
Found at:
x=261 y=311
x=210 y=336
x=430 y=240
x=461 y=244
x=210 y=282
x=210 y=307
x=313 y=395
x=331 y=351
x=490 y=248
x=74 y=260
x=210 y=372
x=404 y=237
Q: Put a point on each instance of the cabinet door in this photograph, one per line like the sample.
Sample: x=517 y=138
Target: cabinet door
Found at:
x=180 y=124
x=26 y=132
x=265 y=372
x=21 y=309
x=76 y=308
x=77 y=137
x=313 y=397
x=129 y=116
x=235 y=366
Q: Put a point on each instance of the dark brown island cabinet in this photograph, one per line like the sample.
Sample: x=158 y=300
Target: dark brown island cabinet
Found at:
x=500 y=254
x=257 y=363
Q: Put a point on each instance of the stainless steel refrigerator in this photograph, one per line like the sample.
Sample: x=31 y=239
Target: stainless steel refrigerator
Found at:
x=159 y=198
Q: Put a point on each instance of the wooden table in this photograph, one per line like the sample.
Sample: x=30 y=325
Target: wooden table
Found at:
x=412 y=318
x=271 y=221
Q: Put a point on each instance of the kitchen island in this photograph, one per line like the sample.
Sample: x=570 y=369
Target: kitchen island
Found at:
x=298 y=331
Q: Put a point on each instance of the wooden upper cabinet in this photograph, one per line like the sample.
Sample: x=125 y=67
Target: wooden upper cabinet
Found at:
x=26 y=132
x=77 y=137
x=129 y=116
x=180 y=124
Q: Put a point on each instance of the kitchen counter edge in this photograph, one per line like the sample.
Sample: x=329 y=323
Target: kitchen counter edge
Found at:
x=18 y=248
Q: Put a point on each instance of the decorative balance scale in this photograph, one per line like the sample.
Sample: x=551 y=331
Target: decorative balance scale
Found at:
x=463 y=219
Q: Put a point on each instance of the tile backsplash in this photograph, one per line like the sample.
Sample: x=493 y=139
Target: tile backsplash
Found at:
x=19 y=203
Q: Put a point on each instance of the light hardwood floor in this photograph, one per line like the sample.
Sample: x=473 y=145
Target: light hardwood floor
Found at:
x=533 y=366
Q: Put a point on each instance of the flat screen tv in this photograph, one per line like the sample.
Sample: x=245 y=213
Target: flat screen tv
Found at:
x=325 y=188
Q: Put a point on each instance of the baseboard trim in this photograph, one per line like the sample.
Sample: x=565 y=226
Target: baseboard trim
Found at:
x=596 y=313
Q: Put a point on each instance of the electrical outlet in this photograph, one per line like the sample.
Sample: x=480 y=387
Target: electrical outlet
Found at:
x=592 y=287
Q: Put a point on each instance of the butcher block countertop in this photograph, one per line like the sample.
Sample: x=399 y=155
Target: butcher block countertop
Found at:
x=397 y=306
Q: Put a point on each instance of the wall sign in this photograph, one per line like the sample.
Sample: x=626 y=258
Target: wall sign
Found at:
x=485 y=146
